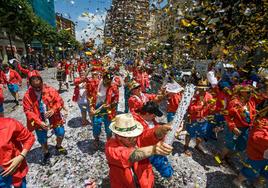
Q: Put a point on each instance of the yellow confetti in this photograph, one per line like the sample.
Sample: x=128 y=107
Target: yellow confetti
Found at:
x=185 y=23
x=217 y=158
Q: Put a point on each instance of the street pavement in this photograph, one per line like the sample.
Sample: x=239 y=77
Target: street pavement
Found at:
x=83 y=162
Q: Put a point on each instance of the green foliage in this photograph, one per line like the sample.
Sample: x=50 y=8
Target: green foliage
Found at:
x=19 y=19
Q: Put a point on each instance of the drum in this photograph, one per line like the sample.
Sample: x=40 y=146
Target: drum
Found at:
x=61 y=76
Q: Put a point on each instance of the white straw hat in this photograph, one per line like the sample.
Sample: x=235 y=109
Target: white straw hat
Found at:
x=126 y=126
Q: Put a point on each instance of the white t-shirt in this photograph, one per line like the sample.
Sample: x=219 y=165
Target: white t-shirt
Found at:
x=101 y=96
x=82 y=94
x=7 y=75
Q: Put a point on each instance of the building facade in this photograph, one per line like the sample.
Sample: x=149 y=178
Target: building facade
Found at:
x=129 y=23
x=45 y=9
x=6 y=42
x=65 y=24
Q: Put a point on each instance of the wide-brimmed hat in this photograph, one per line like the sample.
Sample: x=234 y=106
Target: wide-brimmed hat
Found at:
x=133 y=85
x=126 y=126
x=173 y=88
x=202 y=84
x=239 y=88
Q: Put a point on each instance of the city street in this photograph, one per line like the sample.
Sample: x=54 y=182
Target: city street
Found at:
x=83 y=162
x=147 y=94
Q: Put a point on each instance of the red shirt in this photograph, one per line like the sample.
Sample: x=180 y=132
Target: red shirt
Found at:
x=173 y=102
x=14 y=138
x=52 y=100
x=14 y=77
x=81 y=66
x=222 y=100
x=236 y=115
x=28 y=72
x=120 y=167
x=112 y=96
x=135 y=102
x=197 y=110
x=76 y=94
x=142 y=78
x=258 y=139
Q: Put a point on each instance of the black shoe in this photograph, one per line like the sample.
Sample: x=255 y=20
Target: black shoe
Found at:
x=45 y=160
x=61 y=150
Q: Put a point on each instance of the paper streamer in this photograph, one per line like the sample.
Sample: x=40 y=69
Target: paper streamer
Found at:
x=121 y=104
x=181 y=111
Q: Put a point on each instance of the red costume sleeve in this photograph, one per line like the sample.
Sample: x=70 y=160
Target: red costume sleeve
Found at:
x=32 y=117
x=148 y=138
x=18 y=77
x=232 y=110
x=119 y=155
x=58 y=102
x=77 y=81
x=133 y=104
x=23 y=135
x=23 y=70
x=3 y=78
x=112 y=95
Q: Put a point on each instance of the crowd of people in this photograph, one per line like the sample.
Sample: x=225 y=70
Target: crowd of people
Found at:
x=227 y=101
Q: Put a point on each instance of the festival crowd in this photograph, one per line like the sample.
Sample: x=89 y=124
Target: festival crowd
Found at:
x=229 y=102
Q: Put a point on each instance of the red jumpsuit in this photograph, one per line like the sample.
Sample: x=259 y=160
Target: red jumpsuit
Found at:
x=173 y=102
x=258 y=139
x=14 y=138
x=236 y=115
x=52 y=100
x=135 y=102
x=14 y=77
x=112 y=96
x=197 y=110
x=121 y=168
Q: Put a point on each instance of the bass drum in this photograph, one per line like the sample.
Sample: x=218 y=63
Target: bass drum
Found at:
x=61 y=76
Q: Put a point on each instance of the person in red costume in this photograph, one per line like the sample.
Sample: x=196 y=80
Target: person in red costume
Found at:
x=29 y=72
x=62 y=69
x=103 y=99
x=81 y=65
x=174 y=96
x=15 y=143
x=146 y=117
x=42 y=105
x=200 y=108
x=13 y=80
x=257 y=152
x=80 y=96
x=138 y=98
x=128 y=151
x=141 y=76
x=241 y=115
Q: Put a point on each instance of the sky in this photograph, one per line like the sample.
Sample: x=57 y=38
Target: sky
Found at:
x=88 y=15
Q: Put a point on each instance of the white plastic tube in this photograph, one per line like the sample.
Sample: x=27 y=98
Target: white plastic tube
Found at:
x=181 y=111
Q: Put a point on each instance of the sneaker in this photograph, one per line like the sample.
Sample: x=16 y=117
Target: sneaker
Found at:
x=45 y=160
x=61 y=150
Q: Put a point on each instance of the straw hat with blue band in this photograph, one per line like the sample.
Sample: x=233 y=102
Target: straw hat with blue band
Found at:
x=126 y=126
